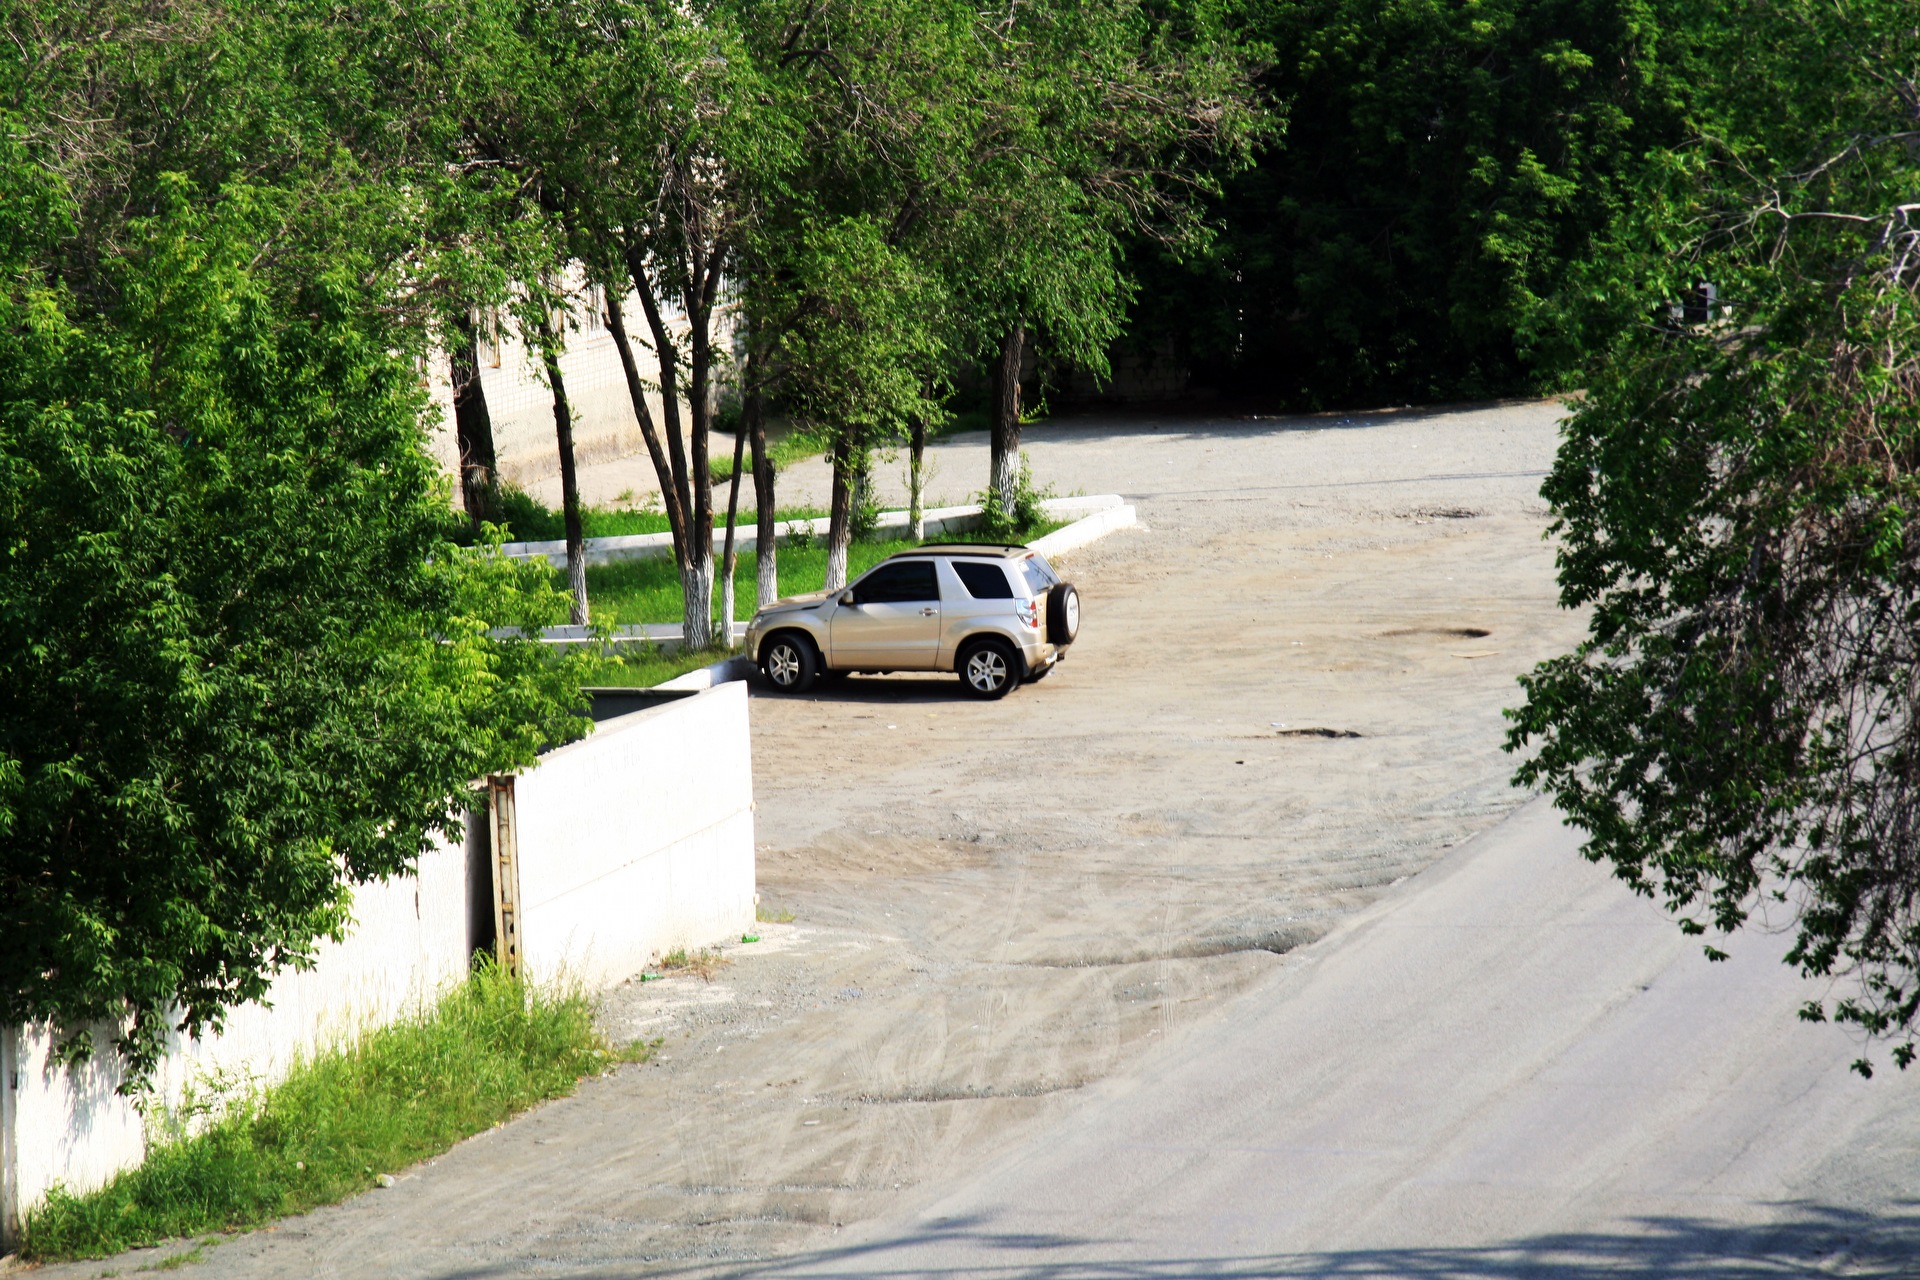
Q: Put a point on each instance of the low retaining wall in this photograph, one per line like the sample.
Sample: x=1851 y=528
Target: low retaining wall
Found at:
x=634 y=840
x=410 y=940
x=638 y=840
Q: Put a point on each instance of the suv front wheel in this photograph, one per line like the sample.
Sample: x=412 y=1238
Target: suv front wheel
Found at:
x=989 y=668
x=789 y=664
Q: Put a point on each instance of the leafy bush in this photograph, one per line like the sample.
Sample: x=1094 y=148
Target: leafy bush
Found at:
x=1023 y=519
x=246 y=666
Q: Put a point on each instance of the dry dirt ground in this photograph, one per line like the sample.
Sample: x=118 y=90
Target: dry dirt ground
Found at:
x=1287 y=696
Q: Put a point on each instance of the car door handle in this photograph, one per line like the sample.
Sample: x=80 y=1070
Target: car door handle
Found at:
x=929 y=613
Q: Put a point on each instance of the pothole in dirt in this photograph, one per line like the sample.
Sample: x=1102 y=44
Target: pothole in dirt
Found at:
x=1451 y=633
x=1426 y=515
x=1314 y=733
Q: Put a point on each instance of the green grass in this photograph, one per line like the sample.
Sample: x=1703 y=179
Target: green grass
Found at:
x=490 y=1048
x=634 y=666
x=529 y=520
x=649 y=590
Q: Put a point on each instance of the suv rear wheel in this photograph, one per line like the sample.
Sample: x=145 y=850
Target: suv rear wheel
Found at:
x=789 y=663
x=989 y=668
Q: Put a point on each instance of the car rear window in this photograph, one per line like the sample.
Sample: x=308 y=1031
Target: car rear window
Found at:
x=1039 y=574
x=898 y=582
x=983 y=579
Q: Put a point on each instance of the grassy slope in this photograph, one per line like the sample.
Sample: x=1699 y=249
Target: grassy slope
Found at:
x=490 y=1048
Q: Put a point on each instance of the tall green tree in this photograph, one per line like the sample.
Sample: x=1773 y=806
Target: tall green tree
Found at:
x=248 y=668
x=1738 y=503
x=1111 y=119
x=1448 y=212
x=847 y=317
x=622 y=122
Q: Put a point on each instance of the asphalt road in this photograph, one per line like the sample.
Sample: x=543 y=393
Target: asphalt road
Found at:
x=1508 y=1067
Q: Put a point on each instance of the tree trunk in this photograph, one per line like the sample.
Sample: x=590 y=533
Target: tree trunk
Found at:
x=692 y=484
x=840 y=516
x=733 y=509
x=917 y=480
x=643 y=413
x=766 y=551
x=472 y=425
x=1006 y=419
x=699 y=426
x=569 y=481
x=668 y=359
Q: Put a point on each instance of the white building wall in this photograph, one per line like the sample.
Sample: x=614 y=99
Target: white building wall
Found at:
x=521 y=405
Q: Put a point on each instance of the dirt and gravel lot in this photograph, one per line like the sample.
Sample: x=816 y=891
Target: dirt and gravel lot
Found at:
x=1286 y=697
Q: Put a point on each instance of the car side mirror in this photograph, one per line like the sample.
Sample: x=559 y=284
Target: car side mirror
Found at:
x=846 y=597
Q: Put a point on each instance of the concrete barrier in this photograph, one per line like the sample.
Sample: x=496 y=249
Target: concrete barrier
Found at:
x=1082 y=532
x=638 y=840
x=632 y=841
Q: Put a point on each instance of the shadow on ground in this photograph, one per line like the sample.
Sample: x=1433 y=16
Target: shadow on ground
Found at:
x=1807 y=1240
x=881 y=691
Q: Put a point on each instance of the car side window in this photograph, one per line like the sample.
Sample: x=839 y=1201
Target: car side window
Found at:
x=984 y=579
x=902 y=582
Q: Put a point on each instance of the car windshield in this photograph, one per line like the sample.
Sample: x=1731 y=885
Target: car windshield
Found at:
x=1038 y=573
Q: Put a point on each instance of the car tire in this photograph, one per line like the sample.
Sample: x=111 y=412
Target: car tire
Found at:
x=789 y=663
x=1063 y=614
x=989 y=668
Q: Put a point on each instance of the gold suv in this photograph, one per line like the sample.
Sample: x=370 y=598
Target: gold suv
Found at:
x=995 y=615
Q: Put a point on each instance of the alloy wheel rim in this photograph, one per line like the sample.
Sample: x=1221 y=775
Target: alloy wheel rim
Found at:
x=986 y=670
x=783 y=664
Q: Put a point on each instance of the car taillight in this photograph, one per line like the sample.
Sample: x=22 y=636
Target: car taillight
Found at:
x=1030 y=613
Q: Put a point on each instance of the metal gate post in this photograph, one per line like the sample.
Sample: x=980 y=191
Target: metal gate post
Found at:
x=506 y=874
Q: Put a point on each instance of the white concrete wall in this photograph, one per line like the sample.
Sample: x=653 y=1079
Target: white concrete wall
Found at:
x=409 y=941
x=638 y=840
x=633 y=841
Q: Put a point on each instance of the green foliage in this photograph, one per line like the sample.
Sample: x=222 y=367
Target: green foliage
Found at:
x=1000 y=521
x=247 y=669
x=489 y=1049
x=527 y=519
x=1453 y=210
x=638 y=666
x=856 y=339
x=1105 y=120
x=1739 y=507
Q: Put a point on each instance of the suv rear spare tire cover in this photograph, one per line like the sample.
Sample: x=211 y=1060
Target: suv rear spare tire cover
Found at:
x=1063 y=614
